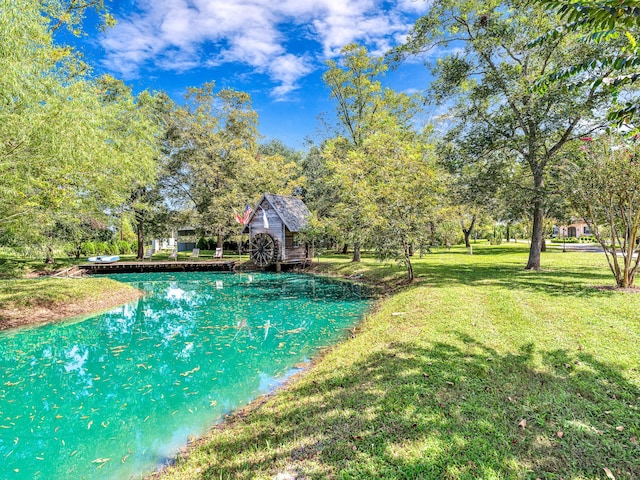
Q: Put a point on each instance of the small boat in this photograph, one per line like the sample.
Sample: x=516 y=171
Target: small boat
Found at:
x=104 y=259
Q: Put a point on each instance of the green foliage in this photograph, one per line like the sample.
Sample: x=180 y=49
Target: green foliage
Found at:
x=103 y=248
x=609 y=22
x=69 y=147
x=489 y=78
x=124 y=247
x=114 y=248
x=88 y=248
x=494 y=238
x=605 y=190
x=381 y=173
x=207 y=244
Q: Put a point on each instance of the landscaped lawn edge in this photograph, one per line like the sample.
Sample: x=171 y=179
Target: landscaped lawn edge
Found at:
x=96 y=295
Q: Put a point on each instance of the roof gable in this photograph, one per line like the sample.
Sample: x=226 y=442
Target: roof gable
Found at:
x=291 y=210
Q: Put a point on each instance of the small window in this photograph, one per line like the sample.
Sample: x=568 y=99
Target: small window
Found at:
x=296 y=241
x=586 y=230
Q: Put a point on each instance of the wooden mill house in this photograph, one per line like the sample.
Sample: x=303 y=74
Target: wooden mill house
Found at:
x=274 y=229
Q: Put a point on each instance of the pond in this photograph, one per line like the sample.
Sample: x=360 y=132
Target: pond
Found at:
x=116 y=394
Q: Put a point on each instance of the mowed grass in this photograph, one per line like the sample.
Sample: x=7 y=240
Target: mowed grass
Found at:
x=479 y=370
x=45 y=292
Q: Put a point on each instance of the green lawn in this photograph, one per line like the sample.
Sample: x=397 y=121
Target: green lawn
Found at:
x=21 y=293
x=28 y=293
x=479 y=370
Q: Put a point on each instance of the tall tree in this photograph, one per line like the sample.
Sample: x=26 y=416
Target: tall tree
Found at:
x=216 y=162
x=405 y=188
x=382 y=170
x=491 y=83
x=473 y=184
x=62 y=143
x=361 y=105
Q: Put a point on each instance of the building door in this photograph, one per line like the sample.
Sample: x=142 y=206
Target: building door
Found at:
x=572 y=232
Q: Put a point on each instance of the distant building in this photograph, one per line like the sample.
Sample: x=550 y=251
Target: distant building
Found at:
x=577 y=229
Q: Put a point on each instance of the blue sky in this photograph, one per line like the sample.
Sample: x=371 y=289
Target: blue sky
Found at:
x=273 y=49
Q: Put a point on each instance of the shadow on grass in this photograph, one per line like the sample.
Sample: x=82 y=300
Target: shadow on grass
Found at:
x=507 y=271
x=566 y=282
x=443 y=411
x=501 y=266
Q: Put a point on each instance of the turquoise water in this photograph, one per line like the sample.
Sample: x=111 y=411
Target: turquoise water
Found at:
x=114 y=395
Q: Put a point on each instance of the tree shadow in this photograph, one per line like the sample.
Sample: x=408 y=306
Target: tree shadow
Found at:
x=442 y=411
x=575 y=281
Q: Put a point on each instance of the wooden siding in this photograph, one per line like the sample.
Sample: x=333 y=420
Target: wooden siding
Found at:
x=278 y=231
x=276 y=227
x=297 y=252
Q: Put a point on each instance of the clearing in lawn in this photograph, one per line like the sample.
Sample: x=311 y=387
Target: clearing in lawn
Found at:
x=479 y=370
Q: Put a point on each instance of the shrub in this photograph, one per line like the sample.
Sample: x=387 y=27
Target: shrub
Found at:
x=88 y=248
x=102 y=248
x=114 y=248
x=494 y=240
x=124 y=246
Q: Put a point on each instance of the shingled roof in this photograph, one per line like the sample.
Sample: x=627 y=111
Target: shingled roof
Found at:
x=291 y=210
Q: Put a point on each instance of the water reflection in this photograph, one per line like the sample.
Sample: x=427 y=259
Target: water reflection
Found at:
x=111 y=396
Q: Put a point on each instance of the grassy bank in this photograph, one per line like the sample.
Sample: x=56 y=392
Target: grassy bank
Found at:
x=36 y=301
x=24 y=293
x=479 y=370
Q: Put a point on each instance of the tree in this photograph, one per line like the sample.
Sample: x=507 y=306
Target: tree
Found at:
x=357 y=91
x=605 y=191
x=382 y=170
x=363 y=110
x=612 y=23
x=473 y=184
x=215 y=160
x=63 y=144
x=492 y=86
x=405 y=184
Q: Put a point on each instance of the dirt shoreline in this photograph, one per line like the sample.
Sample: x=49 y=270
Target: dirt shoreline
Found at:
x=39 y=315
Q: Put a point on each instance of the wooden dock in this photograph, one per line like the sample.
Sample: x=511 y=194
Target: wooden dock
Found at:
x=146 y=267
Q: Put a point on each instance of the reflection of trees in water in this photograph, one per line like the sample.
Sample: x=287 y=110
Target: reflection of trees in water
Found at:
x=122 y=384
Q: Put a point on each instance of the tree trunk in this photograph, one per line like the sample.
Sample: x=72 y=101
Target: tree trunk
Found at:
x=536 y=235
x=432 y=234
x=139 y=231
x=407 y=262
x=508 y=233
x=345 y=249
x=220 y=239
x=467 y=231
x=49 y=256
x=543 y=244
x=356 y=252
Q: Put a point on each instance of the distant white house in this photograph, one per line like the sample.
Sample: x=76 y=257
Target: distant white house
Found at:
x=576 y=229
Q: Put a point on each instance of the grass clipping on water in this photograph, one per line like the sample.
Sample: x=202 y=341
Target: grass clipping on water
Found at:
x=479 y=370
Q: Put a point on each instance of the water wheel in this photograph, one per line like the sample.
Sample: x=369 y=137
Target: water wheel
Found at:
x=263 y=250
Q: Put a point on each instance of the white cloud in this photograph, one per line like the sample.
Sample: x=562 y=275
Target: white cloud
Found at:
x=177 y=35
